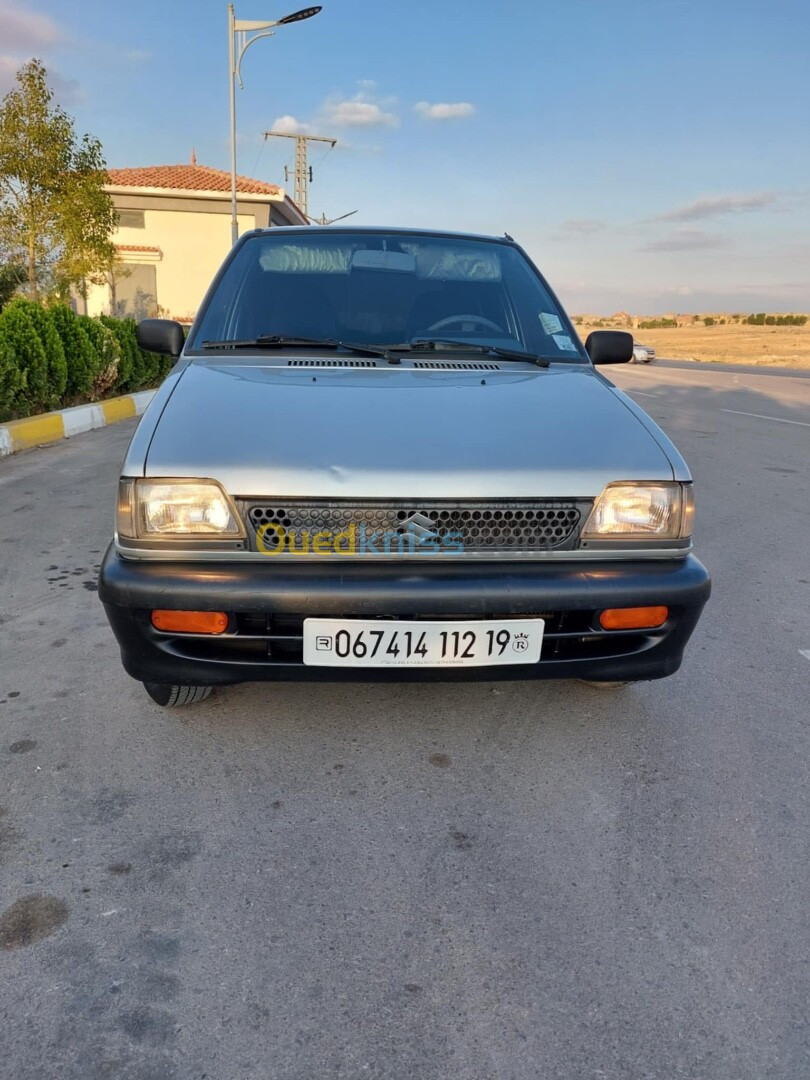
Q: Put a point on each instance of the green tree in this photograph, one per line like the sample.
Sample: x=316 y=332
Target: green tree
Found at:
x=115 y=272
x=108 y=351
x=12 y=275
x=82 y=359
x=130 y=376
x=55 y=217
x=137 y=368
x=54 y=350
x=19 y=338
x=11 y=380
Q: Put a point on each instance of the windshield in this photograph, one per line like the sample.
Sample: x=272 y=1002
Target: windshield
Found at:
x=386 y=289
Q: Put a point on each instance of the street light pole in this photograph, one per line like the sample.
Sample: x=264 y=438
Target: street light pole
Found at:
x=232 y=80
x=241 y=34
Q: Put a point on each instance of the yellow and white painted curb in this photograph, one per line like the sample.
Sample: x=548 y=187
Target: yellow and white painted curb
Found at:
x=51 y=427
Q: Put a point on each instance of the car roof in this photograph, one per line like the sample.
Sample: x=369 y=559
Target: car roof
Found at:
x=381 y=230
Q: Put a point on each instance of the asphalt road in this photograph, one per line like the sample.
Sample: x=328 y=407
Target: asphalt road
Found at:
x=500 y=881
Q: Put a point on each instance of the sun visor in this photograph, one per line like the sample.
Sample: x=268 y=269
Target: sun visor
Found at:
x=306 y=258
x=439 y=262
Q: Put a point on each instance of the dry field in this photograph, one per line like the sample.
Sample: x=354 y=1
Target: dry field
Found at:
x=785 y=346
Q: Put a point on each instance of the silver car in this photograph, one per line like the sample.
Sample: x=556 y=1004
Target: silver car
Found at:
x=385 y=454
x=642 y=354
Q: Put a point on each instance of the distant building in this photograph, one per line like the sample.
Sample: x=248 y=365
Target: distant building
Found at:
x=174 y=230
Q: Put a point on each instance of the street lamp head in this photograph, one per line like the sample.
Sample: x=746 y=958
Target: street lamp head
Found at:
x=299 y=16
x=241 y=35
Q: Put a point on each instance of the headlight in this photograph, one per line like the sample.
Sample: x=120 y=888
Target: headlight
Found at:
x=174 y=509
x=641 y=512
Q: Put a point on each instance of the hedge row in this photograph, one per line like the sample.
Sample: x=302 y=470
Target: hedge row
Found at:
x=51 y=357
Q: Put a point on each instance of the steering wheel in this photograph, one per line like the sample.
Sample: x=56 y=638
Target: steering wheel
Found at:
x=451 y=320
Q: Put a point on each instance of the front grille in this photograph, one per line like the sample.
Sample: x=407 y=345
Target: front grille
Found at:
x=413 y=528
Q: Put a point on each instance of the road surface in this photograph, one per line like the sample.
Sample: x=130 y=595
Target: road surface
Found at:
x=484 y=882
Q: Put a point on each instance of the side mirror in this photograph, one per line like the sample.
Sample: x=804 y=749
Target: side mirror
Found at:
x=609 y=346
x=161 y=336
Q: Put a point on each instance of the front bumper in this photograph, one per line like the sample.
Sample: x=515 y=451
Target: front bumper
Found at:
x=268 y=603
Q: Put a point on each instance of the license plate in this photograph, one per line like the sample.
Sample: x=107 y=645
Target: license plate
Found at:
x=381 y=643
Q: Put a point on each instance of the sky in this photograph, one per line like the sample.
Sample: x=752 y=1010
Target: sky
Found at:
x=650 y=155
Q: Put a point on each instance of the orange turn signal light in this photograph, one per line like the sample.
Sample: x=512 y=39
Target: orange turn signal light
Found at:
x=633 y=618
x=190 y=622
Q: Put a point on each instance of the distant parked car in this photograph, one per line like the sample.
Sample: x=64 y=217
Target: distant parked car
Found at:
x=642 y=354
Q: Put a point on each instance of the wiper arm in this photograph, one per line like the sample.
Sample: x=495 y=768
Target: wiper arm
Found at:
x=497 y=350
x=278 y=341
x=268 y=341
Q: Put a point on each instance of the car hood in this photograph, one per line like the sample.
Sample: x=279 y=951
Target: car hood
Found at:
x=261 y=427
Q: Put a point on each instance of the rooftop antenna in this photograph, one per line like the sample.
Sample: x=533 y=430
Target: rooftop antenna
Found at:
x=324 y=220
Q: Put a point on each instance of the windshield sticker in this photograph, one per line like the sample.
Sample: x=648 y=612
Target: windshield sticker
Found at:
x=565 y=343
x=551 y=324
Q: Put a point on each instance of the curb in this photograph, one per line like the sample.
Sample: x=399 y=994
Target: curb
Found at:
x=53 y=426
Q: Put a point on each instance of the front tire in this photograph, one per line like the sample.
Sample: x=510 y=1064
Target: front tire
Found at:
x=172 y=697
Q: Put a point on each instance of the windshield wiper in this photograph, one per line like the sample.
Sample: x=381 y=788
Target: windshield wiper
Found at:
x=497 y=350
x=278 y=341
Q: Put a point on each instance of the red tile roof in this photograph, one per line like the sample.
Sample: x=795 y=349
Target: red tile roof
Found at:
x=188 y=178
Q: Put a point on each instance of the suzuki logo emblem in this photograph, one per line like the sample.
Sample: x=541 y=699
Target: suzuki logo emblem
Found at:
x=417 y=523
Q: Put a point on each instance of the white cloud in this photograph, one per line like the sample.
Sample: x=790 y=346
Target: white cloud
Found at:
x=687 y=240
x=578 y=227
x=444 y=110
x=359 y=111
x=25 y=34
x=9 y=66
x=65 y=91
x=24 y=30
x=717 y=205
x=290 y=126
x=356 y=113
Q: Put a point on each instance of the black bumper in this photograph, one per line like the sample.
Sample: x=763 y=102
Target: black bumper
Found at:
x=267 y=604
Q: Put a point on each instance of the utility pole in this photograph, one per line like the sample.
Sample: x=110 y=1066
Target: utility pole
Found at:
x=303 y=172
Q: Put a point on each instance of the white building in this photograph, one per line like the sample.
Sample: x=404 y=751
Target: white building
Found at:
x=174 y=230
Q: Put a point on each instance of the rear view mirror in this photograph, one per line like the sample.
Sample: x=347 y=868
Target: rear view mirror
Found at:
x=609 y=346
x=161 y=336
x=372 y=259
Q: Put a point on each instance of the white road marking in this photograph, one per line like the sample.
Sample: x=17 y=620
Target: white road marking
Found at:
x=805 y=653
x=641 y=393
x=761 y=416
